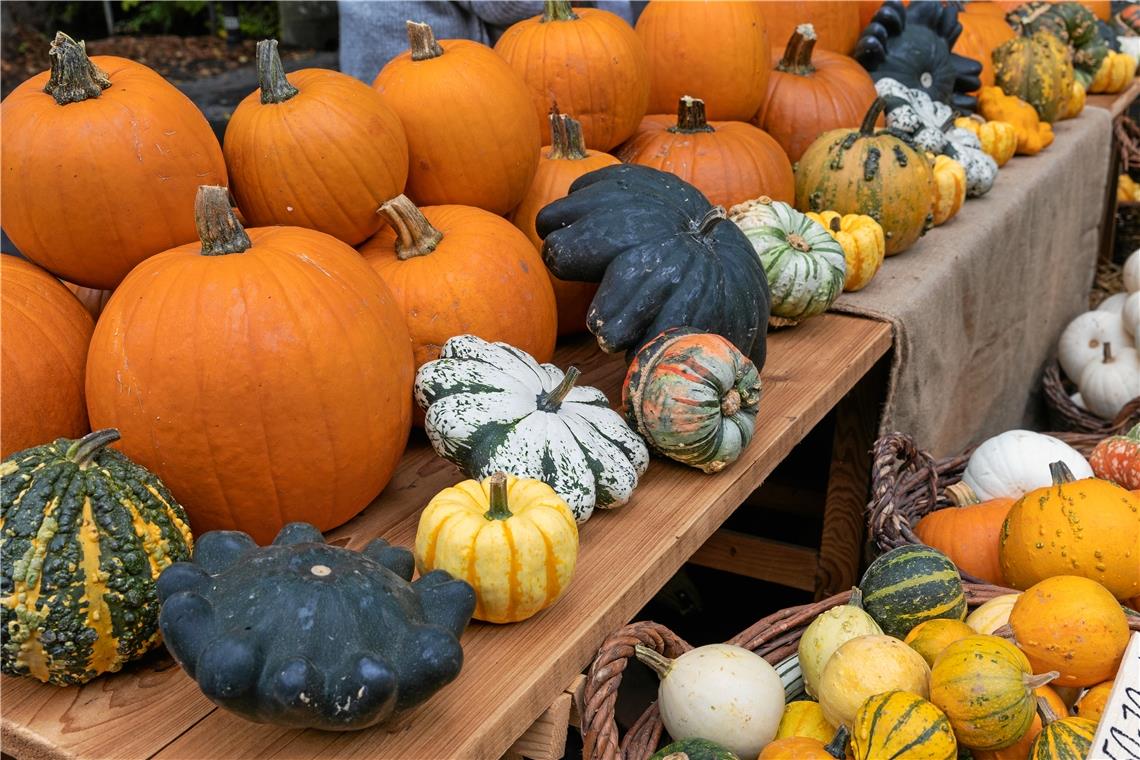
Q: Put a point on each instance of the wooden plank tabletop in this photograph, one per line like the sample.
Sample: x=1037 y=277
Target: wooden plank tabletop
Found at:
x=1116 y=103
x=511 y=673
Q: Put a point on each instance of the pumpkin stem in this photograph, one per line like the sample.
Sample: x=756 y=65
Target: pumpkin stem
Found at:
x=1036 y=682
x=712 y=218
x=1005 y=632
x=74 y=78
x=836 y=225
x=1108 y=357
x=1046 y=710
x=659 y=663
x=558 y=10
x=1060 y=473
x=421 y=39
x=730 y=404
x=566 y=141
x=549 y=402
x=84 y=450
x=797 y=54
x=1133 y=434
x=961 y=495
x=856 y=599
x=275 y=88
x=415 y=235
x=867 y=128
x=837 y=747
x=691 y=117
x=218 y=228
x=797 y=242
x=497 y=497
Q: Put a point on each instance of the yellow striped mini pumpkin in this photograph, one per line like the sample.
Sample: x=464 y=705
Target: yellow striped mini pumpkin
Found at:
x=863 y=243
x=949 y=188
x=1068 y=738
x=513 y=539
x=900 y=724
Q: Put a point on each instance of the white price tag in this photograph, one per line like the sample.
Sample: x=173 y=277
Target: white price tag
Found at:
x=1118 y=735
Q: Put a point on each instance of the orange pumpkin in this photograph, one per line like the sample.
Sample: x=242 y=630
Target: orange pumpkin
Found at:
x=457 y=270
x=101 y=157
x=930 y=637
x=1092 y=703
x=1020 y=750
x=715 y=50
x=835 y=21
x=806 y=748
x=588 y=61
x=92 y=299
x=729 y=161
x=811 y=91
x=473 y=136
x=316 y=149
x=559 y=164
x=981 y=33
x=1117 y=458
x=44 y=333
x=264 y=375
x=969 y=533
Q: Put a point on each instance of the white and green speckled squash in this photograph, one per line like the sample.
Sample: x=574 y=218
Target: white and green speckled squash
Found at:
x=805 y=265
x=492 y=407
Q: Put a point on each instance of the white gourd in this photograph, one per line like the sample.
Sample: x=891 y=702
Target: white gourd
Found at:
x=1130 y=316
x=1078 y=400
x=1083 y=340
x=719 y=692
x=1132 y=272
x=1015 y=462
x=1107 y=385
x=993 y=614
x=1114 y=303
x=829 y=631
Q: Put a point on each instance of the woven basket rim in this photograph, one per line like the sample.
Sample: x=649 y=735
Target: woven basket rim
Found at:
x=1063 y=413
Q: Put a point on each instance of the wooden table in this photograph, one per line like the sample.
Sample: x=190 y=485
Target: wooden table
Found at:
x=511 y=673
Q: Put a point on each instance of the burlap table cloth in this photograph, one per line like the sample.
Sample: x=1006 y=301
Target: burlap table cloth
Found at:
x=977 y=304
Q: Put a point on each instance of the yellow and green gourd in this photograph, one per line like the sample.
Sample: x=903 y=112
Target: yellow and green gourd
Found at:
x=909 y=585
x=1067 y=738
x=1036 y=69
x=898 y=724
x=84 y=534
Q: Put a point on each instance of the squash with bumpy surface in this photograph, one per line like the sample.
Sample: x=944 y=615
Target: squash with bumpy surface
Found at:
x=1037 y=70
x=949 y=188
x=1071 y=23
x=694 y=749
x=1117 y=458
x=898 y=724
x=863 y=244
x=1033 y=134
x=84 y=533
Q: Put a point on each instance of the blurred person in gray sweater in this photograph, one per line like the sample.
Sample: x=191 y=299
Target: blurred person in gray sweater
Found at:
x=372 y=31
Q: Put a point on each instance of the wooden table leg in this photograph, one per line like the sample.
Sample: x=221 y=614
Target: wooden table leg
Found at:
x=848 y=484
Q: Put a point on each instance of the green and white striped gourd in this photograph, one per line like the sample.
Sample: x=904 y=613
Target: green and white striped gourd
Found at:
x=804 y=264
x=491 y=407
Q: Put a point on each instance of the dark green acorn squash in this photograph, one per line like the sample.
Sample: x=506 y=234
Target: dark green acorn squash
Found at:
x=1073 y=24
x=910 y=585
x=663 y=255
x=84 y=534
x=695 y=749
x=307 y=635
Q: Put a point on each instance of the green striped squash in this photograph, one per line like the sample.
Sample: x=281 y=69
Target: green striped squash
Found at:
x=1037 y=70
x=910 y=585
x=1068 y=738
x=898 y=724
x=694 y=749
x=84 y=534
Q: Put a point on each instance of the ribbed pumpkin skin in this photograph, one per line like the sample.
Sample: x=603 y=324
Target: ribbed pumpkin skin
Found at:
x=83 y=547
x=909 y=585
x=593 y=66
x=517 y=565
x=717 y=51
x=92 y=299
x=90 y=189
x=863 y=242
x=325 y=158
x=1069 y=738
x=44 y=334
x=979 y=682
x=901 y=724
x=473 y=136
x=1035 y=69
x=969 y=535
x=206 y=363
x=835 y=21
x=981 y=33
x=949 y=188
x=1020 y=749
x=998 y=138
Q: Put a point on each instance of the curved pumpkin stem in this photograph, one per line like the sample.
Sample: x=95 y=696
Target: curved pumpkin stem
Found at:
x=220 y=231
x=74 y=78
x=1036 y=682
x=659 y=663
x=1060 y=473
x=88 y=447
x=961 y=495
x=558 y=10
x=837 y=747
x=691 y=117
x=712 y=218
x=566 y=141
x=1046 y=711
x=549 y=402
x=856 y=599
x=867 y=128
x=275 y=88
x=415 y=235
x=497 y=498
x=797 y=54
x=421 y=39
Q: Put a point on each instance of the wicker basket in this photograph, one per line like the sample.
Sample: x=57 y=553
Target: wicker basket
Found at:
x=1066 y=415
x=1109 y=280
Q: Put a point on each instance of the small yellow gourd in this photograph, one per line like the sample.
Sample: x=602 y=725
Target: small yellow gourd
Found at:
x=998 y=138
x=1075 y=103
x=1092 y=702
x=898 y=724
x=949 y=188
x=930 y=637
x=804 y=718
x=867 y=666
x=1114 y=74
x=1033 y=135
x=513 y=539
x=863 y=243
x=1127 y=190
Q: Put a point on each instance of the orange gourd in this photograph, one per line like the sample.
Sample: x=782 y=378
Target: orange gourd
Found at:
x=968 y=533
x=264 y=375
x=714 y=50
x=981 y=33
x=1101 y=8
x=44 y=333
x=316 y=149
x=835 y=21
x=729 y=161
x=473 y=136
x=559 y=164
x=588 y=61
x=100 y=158
x=807 y=748
x=1117 y=458
x=811 y=91
x=930 y=637
x=92 y=299
x=460 y=270
x=1092 y=703
x=1020 y=750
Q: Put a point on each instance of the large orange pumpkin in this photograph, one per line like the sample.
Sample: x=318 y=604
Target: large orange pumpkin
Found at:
x=811 y=91
x=715 y=50
x=981 y=33
x=44 y=333
x=457 y=270
x=473 y=136
x=92 y=299
x=588 y=61
x=316 y=149
x=559 y=164
x=264 y=375
x=836 y=22
x=729 y=161
x=101 y=157
x=968 y=533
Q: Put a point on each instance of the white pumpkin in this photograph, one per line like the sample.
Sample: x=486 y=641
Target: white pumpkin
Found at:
x=1107 y=385
x=722 y=693
x=1114 y=303
x=1132 y=272
x=1130 y=46
x=1015 y=462
x=829 y=631
x=1083 y=340
x=491 y=407
x=1130 y=316
x=993 y=614
x=1078 y=400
